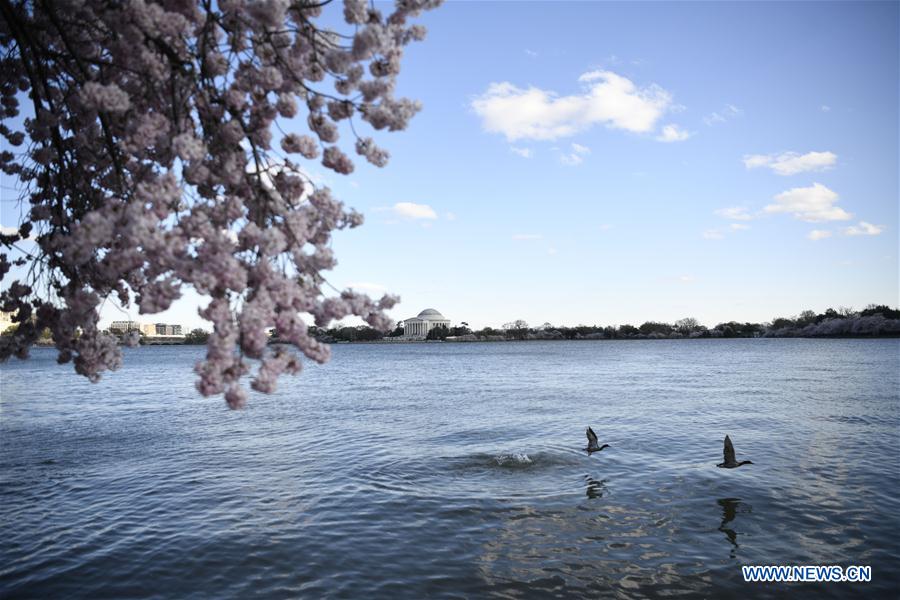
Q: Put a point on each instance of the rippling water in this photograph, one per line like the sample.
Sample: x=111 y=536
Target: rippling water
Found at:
x=456 y=470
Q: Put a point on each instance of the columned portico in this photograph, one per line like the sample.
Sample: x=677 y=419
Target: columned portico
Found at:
x=419 y=326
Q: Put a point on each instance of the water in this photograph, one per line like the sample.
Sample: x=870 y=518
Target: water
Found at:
x=455 y=470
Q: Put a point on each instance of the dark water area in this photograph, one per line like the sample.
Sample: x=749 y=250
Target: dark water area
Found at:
x=456 y=470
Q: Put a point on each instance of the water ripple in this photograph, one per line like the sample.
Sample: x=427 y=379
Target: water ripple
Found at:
x=455 y=471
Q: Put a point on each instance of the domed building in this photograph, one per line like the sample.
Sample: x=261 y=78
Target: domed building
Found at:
x=428 y=319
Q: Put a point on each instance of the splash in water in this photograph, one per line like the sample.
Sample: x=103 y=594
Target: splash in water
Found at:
x=513 y=459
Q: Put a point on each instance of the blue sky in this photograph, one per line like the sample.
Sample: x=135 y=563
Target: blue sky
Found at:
x=543 y=187
x=631 y=232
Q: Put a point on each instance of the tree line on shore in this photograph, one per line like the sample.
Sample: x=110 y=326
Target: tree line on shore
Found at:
x=872 y=321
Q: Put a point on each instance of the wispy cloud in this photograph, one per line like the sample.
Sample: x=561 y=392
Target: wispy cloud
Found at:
x=813 y=204
x=580 y=149
x=791 y=163
x=606 y=99
x=863 y=229
x=528 y=236
x=411 y=210
x=576 y=156
x=523 y=152
x=818 y=234
x=719 y=233
x=728 y=112
x=735 y=213
x=673 y=133
x=572 y=160
x=826 y=108
x=531 y=53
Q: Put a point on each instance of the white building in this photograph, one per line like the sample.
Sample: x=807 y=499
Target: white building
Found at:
x=124 y=326
x=418 y=327
x=166 y=329
x=148 y=329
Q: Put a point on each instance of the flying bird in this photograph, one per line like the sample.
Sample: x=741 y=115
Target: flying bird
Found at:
x=730 y=462
x=593 y=446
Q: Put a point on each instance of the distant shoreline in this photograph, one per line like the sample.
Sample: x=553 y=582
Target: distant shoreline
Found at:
x=645 y=339
x=504 y=341
x=873 y=322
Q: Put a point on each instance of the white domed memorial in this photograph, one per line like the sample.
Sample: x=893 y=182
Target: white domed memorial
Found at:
x=418 y=327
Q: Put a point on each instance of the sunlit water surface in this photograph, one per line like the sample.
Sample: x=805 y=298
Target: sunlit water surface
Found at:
x=432 y=470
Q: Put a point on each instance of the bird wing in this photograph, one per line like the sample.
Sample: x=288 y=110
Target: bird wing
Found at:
x=729 y=451
x=592 y=437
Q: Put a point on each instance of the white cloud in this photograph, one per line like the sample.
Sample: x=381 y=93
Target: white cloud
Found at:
x=791 y=163
x=576 y=157
x=863 y=229
x=530 y=53
x=527 y=236
x=411 y=210
x=812 y=204
x=551 y=251
x=730 y=111
x=826 y=108
x=735 y=213
x=687 y=279
x=523 y=152
x=5 y=230
x=818 y=234
x=752 y=161
x=581 y=149
x=719 y=234
x=450 y=216
x=673 y=133
x=607 y=99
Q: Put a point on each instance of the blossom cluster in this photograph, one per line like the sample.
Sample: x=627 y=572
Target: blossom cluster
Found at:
x=149 y=166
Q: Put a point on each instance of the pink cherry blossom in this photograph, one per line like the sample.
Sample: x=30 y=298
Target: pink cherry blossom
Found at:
x=149 y=166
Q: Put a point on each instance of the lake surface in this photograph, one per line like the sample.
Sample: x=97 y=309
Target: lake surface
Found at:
x=456 y=470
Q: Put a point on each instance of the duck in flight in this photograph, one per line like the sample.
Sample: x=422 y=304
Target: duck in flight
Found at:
x=730 y=462
x=593 y=446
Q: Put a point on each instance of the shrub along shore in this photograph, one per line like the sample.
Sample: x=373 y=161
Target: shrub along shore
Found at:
x=873 y=321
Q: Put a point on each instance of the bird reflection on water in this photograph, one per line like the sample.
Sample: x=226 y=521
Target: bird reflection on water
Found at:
x=730 y=508
x=595 y=488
